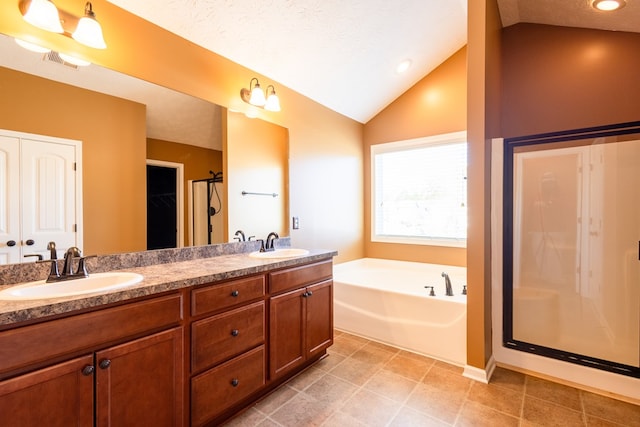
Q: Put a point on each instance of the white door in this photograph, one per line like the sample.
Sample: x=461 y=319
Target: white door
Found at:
x=41 y=197
x=9 y=200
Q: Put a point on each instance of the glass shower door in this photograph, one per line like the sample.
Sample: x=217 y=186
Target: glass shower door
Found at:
x=572 y=248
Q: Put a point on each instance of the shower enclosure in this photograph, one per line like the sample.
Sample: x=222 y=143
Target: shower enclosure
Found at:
x=572 y=246
x=205 y=207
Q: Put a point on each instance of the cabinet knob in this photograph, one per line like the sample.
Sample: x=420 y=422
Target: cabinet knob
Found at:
x=235 y=382
x=235 y=293
x=105 y=363
x=88 y=370
x=309 y=293
x=30 y=242
x=11 y=243
x=235 y=332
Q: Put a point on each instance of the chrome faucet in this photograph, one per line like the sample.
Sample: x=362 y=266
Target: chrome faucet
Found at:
x=447 y=285
x=71 y=253
x=271 y=238
x=240 y=236
x=67 y=270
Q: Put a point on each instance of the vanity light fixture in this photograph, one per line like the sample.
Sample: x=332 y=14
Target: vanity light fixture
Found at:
x=256 y=97
x=608 y=5
x=44 y=15
x=89 y=32
x=32 y=46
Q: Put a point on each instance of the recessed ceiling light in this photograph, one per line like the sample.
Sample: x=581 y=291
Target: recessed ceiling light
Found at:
x=403 y=66
x=608 y=5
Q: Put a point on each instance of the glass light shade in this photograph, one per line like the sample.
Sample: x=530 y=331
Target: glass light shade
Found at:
x=73 y=60
x=32 y=46
x=89 y=33
x=273 y=103
x=44 y=14
x=608 y=5
x=257 y=96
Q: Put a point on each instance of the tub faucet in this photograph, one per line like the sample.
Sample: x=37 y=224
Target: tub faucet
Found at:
x=447 y=285
x=271 y=238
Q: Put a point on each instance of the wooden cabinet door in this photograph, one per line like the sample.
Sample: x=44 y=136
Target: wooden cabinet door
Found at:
x=60 y=395
x=140 y=383
x=286 y=329
x=319 y=317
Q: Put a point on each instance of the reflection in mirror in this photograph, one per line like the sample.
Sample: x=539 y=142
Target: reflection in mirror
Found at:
x=123 y=123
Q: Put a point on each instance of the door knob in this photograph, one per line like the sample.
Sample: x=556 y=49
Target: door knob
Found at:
x=11 y=243
x=30 y=242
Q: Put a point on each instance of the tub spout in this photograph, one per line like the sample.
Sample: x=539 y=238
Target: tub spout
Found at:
x=447 y=284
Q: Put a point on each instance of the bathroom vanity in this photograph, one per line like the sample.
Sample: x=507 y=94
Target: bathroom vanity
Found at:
x=192 y=344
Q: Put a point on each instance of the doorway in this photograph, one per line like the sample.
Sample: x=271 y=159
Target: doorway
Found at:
x=164 y=205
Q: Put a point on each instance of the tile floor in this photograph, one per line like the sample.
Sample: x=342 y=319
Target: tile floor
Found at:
x=364 y=383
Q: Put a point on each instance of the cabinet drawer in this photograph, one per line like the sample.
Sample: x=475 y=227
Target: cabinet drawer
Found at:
x=223 y=336
x=300 y=276
x=48 y=340
x=225 y=295
x=219 y=388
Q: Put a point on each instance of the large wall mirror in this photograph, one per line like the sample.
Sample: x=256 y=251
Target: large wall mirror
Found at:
x=134 y=134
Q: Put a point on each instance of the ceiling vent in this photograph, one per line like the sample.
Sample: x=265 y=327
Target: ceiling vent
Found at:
x=55 y=57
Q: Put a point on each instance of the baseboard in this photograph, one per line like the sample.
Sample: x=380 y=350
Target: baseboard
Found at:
x=480 y=375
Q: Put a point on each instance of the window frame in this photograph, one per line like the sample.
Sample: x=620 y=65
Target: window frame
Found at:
x=404 y=145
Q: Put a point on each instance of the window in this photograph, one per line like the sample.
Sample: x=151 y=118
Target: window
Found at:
x=419 y=191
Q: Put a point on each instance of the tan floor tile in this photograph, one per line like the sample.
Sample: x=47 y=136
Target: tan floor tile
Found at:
x=381 y=346
x=475 y=414
x=447 y=380
x=275 y=399
x=611 y=409
x=509 y=379
x=599 y=422
x=355 y=371
x=332 y=390
x=248 y=418
x=391 y=385
x=346 y=344
x=436 y=402
x=412 y=355
x=449 y=367
x=268 y=423
x=545 y=413
x=407 y=417
x=498 y=398
x=342 y=420
x=330 y=362
x=372 y=355
x=354 y=337
x=302 y=410
x=412 y=368
x=370 y=408
x=553 y=392
x=306 y=378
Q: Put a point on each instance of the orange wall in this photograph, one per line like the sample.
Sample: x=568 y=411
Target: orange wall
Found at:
x=325 y=147
x=113 y=134
x=435 y=105
x=257 y=153
x=197 y=163
x=483 y=124
x=558 y=78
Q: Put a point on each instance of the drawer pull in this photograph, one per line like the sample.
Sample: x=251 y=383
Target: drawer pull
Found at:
x=235 y=293
x=105 y=363
x=235 y=382
x=235 y=332
x=88 y=370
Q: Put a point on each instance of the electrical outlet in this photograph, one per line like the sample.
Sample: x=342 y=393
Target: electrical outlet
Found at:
x=296 y=223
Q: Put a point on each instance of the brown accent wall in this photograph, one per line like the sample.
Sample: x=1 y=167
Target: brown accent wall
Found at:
x=435 y=105
x=197 y=161
x=559 y=78
x=113 y=135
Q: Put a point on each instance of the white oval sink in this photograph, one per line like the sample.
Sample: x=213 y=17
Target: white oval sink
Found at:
x=98 y=282
x=280 y=253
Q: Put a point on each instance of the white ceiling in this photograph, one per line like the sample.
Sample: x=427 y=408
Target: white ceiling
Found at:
x=340 y=53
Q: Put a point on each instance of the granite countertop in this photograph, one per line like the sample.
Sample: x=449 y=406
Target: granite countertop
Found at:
x=157 y=278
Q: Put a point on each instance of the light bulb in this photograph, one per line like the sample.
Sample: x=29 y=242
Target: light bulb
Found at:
x=44 y=15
